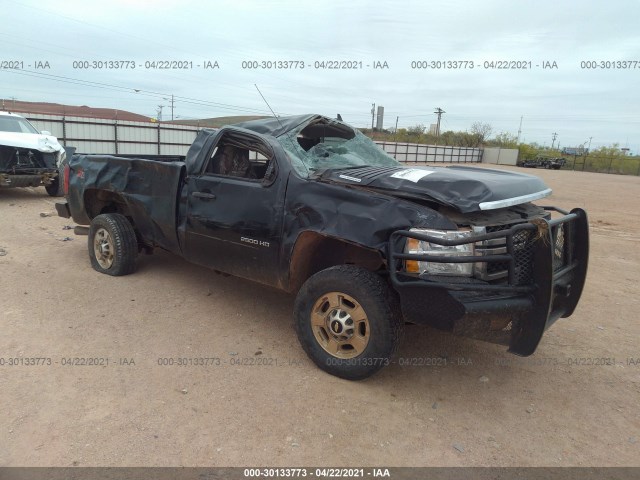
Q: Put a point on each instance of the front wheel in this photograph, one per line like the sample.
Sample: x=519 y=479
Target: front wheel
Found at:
x=348 y=321
x=112 y=243
x=56 y=187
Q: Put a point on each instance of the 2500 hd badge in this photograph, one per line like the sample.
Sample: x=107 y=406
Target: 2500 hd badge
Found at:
x=253 y=241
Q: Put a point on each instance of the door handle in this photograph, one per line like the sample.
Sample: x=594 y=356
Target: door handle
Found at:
x=205 y=196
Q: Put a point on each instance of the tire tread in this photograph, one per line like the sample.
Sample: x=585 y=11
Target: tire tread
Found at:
x=377 y=292
x=125 y=243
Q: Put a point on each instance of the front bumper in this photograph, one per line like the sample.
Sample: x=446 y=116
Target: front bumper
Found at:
x=545 y=281
x=35 y=179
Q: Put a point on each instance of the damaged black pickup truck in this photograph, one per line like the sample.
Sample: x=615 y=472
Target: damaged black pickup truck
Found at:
x=311 y=206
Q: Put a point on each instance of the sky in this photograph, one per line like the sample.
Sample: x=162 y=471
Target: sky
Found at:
x=62 y=51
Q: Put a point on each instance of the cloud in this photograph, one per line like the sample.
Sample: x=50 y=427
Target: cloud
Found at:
x=578 y=101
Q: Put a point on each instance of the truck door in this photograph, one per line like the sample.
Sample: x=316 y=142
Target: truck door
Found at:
x=235 y=210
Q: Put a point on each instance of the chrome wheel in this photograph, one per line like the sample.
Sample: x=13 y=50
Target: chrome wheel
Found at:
x=103 y=248
x=340 y=325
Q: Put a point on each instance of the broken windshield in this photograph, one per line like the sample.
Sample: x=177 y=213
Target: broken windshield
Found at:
x=323 y=144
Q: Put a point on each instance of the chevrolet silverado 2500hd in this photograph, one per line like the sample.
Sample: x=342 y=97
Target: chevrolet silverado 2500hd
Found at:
x=311 y=206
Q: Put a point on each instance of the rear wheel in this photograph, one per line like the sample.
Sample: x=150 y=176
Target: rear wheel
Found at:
x=348 y=321
x=112 y=243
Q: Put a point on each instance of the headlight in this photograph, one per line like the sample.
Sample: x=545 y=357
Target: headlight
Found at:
x=434 y=249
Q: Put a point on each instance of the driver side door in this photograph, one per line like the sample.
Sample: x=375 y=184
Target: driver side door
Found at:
x=235 y=210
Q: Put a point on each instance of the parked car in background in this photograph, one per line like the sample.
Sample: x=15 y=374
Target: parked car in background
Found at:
x=28 y=157
x=542 y=161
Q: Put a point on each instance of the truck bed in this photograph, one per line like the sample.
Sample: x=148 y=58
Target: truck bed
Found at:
x=148 y=185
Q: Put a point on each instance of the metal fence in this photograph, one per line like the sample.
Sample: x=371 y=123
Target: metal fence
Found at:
x=107 y=136
x=95 y=135
x=615 y=165
x=420 y=153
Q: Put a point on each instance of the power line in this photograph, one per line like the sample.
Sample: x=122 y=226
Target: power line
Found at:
x=120 y=88
x=239 y=108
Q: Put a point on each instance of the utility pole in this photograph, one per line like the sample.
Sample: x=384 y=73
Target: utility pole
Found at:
x=13 y=99
x=589 y=147
x=160 y=107
x=172 y=100
x=554 y=135
x=373 y=114
x=396 y=130
x=519 y=129
x=438 y=112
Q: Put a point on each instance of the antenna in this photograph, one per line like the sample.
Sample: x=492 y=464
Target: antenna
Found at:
x=265 y=101
x=274 y=114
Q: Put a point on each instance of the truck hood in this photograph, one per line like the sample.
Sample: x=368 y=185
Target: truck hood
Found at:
x=466 y=189
x=31 y=141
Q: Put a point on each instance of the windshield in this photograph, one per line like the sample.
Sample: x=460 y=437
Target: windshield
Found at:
x=16 y=125
x=325 y=143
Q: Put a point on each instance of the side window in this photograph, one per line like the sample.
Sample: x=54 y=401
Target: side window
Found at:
x=233 y=159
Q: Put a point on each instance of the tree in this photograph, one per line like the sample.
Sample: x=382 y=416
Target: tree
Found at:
x=608 y=152
x=416 y=130
x=447 y=138
x=466 y=139
x=528 y=151
x=505 y=140
x=482 y=131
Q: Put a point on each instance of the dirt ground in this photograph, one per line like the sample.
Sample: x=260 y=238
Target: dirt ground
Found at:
x=484 y=407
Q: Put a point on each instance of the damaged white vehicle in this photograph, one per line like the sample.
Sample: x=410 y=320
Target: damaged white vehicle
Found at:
x=28 y=157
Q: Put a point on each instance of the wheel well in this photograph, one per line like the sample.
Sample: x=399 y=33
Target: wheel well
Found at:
x=314 y=252
x=102 y=201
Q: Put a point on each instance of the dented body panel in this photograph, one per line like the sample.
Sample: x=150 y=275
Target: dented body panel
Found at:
x=148 y=188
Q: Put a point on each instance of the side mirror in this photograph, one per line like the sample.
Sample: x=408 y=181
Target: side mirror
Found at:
x=45 y=132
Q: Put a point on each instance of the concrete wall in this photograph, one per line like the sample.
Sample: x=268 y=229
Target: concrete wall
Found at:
x=500 y=156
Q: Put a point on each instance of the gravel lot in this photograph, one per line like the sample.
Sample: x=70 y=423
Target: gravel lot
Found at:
x=562 y=406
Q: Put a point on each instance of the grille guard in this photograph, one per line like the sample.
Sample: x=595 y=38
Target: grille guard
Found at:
x=555 y=283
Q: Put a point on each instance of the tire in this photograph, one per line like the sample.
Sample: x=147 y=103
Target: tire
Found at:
x=351 y=348
x=113 y=245
x=56 y=187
